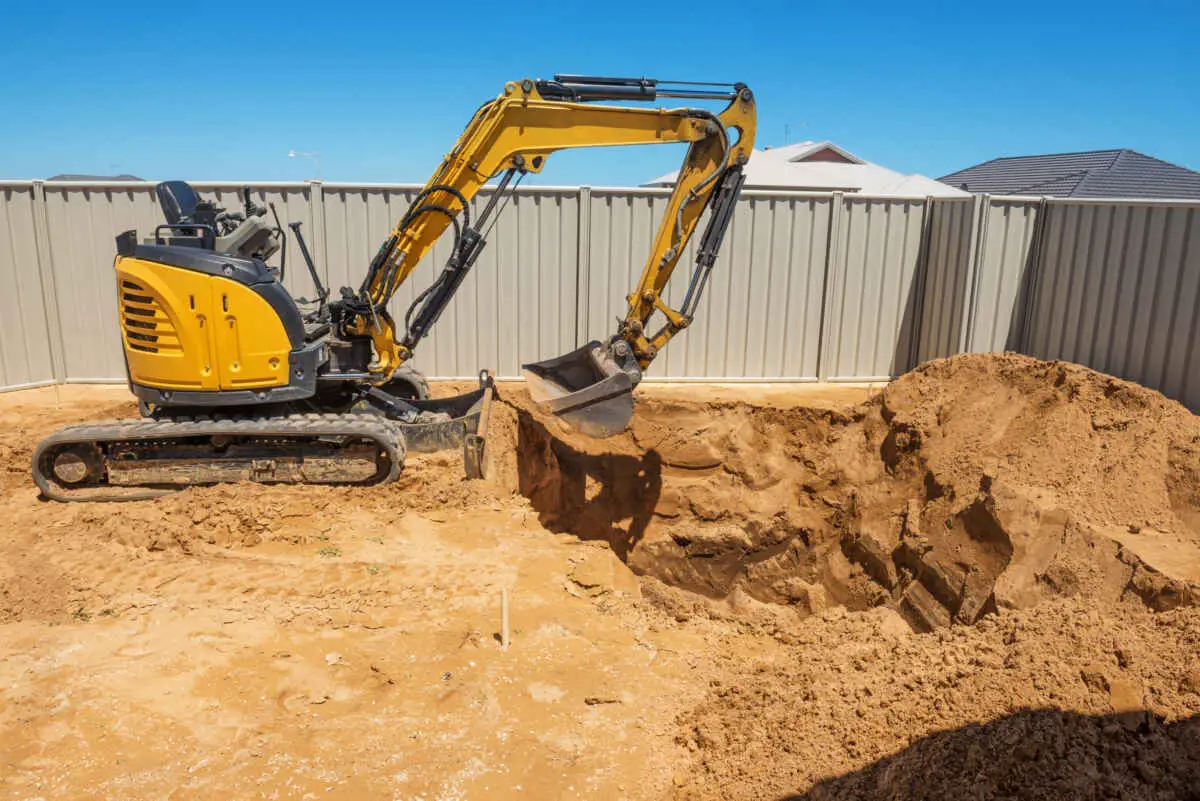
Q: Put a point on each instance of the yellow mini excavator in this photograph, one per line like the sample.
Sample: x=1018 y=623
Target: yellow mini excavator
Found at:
x=239 y=381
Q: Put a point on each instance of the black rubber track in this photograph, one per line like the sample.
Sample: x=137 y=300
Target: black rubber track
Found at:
x=386 y=434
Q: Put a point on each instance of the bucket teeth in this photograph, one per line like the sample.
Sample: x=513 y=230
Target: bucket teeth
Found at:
x=586 y=388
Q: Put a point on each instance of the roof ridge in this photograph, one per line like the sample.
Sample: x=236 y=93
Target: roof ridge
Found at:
x=1088 y=179
x=1082 y=174
x=1069 y=153
x=824 y=144
x=1156 y=159
x=966 y=169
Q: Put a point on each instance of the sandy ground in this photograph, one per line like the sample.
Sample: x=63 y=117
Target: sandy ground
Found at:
x=349 y=653
x=951 y=588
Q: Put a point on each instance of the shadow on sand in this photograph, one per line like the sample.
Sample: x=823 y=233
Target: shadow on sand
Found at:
x=602 y=496
x=1042 y=754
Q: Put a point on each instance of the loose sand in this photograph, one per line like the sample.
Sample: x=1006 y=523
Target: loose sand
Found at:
x=980 y=581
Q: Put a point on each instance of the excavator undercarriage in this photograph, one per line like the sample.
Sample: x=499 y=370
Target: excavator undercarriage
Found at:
x=237 y=380
x=129 y=460
x=135 y=459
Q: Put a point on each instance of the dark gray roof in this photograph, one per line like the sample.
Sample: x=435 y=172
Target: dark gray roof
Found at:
x=1097 y=173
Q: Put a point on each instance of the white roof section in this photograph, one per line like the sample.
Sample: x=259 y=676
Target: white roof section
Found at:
x=825 y=167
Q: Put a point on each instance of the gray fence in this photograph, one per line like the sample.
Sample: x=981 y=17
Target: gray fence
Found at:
x=808 y=287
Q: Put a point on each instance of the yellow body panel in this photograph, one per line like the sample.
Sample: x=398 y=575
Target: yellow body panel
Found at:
x=184 y=330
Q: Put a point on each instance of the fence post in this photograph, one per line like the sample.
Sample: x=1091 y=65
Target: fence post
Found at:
x=921 y=283
x=316 y=210
x=583 y=263
x=831 y=320
x=976 y=249
x=45 y=267
x=1031 y=286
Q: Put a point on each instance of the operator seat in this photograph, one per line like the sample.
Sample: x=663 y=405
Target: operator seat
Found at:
x=178 y=200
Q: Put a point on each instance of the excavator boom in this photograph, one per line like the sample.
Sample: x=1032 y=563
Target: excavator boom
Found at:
x=512 y=136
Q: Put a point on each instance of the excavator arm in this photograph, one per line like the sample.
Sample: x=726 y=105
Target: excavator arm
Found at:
x=514 y=135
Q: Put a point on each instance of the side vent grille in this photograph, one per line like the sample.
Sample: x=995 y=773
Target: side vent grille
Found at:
x=147 y=327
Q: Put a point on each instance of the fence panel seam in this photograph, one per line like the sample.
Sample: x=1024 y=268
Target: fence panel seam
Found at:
x=316 y=210
x=49 y=291
x=976 y=251
x=583 y=262
x=920 y=277
x=1027 y=293
x=831 y=289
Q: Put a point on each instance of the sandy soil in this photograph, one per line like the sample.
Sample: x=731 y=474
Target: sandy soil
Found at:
x=978 y=582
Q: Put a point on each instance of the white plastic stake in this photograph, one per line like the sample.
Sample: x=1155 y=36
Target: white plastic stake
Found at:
x=504 y=619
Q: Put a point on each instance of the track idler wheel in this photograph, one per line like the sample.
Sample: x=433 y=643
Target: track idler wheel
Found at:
x=77 y=464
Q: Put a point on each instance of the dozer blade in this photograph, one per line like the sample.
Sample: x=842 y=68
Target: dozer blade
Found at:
x=586 y=388
x=465 y=425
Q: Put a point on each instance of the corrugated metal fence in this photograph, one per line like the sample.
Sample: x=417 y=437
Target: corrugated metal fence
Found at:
x=1117 y=287
x=809 y=286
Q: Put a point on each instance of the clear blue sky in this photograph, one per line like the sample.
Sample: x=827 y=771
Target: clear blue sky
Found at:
x=223 y=90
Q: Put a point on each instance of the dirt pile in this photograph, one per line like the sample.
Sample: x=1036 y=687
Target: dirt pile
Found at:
x=1064 y=702
x=971 y=484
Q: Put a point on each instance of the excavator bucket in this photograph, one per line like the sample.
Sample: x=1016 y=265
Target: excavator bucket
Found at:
x=586 y=388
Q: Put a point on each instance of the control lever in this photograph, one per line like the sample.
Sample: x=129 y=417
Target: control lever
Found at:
x=252 y=210
x=228 y=221
x=322 y=292
x=282 y=243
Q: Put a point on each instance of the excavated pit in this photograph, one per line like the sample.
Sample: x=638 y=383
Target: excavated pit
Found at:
x=971 y=484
